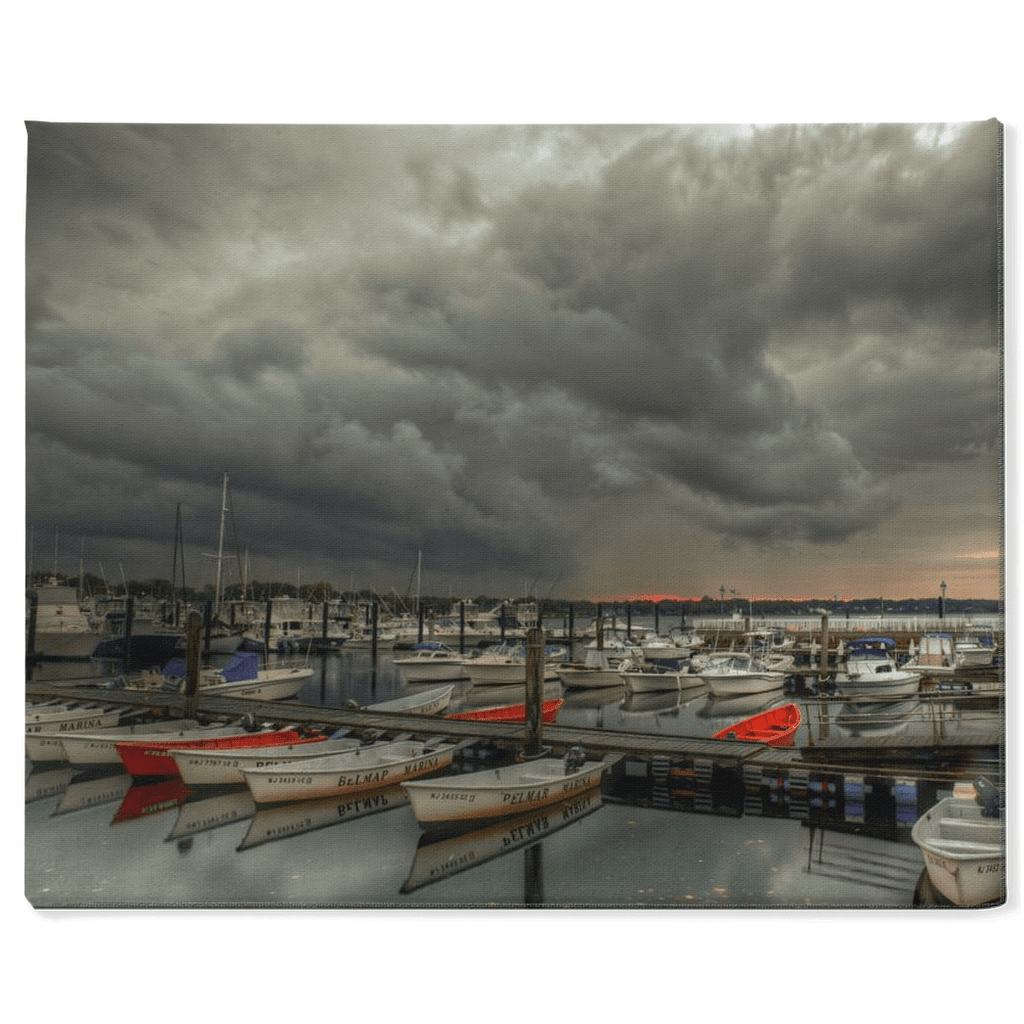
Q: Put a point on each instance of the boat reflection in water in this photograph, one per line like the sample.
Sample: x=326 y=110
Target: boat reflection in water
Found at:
x=92 y=789
x=48 y=782
x=447 y=851
x=282 y=821
x=208 y=809
x=150 y=798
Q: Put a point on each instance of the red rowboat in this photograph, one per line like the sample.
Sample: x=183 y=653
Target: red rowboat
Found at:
x=149 y=757
x=776 y=727
x=511 y=712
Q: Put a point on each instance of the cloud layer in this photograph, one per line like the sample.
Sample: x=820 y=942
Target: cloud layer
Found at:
x=511 y=347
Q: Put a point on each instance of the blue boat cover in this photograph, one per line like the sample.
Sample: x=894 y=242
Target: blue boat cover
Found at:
x=244 y=665
x=175 y=668
x=864 y=641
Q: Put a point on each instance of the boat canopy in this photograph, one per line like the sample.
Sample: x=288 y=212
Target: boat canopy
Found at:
x=244 y=665
x=870 y=641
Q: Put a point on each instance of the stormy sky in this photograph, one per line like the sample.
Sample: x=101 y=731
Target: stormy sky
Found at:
x=577 y=361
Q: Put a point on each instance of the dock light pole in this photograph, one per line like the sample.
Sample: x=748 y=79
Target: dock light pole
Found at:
x=942 y=601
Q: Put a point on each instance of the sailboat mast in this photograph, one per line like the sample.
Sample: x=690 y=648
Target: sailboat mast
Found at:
x=220 y=546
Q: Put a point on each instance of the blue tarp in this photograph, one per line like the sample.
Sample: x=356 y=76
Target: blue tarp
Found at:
x=175 y=668
x=244 y=665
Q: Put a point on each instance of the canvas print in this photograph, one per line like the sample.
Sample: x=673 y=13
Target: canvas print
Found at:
x=514 y=516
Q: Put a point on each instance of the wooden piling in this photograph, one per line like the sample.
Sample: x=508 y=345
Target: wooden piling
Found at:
x=373 y=633
x=534 y=691
x=193 y=641
x=323 y=623
x=33 y=607
x=266 y=624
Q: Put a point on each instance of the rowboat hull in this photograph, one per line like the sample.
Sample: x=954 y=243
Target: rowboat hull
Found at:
x=777 y=727
x=964 y=853
x=511 y=713
x=98 y=748
x=43 y=742
x=372 y=767
x=275 y=684
x=501 y=792
x=225 y=767
x=427 y=702
x=153 y=757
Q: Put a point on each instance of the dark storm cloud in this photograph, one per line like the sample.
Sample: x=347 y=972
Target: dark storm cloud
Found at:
x=408 y=337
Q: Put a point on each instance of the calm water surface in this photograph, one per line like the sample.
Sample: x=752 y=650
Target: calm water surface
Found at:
x=99 y=840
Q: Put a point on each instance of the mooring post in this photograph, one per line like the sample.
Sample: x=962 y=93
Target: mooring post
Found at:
x=600 y=633
x=193 y=641
x=534 y=691
x=323 y=624
x=419 y=626
x=629 y=622
x=572 y=624
x=657 y=620
x=823 y=656
x=373 y=634
x=266 y=624
x=30 y=640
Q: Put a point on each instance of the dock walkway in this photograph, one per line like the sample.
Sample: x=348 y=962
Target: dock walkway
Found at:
x=640 y=747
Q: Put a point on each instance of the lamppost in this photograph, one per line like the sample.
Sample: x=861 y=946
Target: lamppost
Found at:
x=942 y=601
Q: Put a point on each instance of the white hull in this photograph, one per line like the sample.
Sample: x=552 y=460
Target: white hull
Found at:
x=659 y=682
x=582 y=677
x=427 y=702
x=501 y=673
x=431 y=667
x=65 y=644
x=99 y=748
x=225 y=767
x=501 y=792
x=896 y=684
x=272 y=684
x=981 y=658
x=380 y=765
x=43 y=742
x=742 y=683
x=964 y=853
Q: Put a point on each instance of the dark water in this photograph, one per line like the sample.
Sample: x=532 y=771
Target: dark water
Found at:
x=681 y=838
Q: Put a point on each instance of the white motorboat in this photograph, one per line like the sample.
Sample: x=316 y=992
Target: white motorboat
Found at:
x=868 y=670
x=506 y=663
x=598 y=669
x=500 y=792
x=739 y=673
x=378 y=765
x=975 y=647
x=964 y=849
x=652 y=679
x=431 y=661
x=933 y=657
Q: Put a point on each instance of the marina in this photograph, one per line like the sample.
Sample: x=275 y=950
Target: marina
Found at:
x=855 y=774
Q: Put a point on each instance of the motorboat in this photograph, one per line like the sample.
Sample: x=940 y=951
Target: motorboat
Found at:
x=868 y=670
x=431 y=661
x=738 y=673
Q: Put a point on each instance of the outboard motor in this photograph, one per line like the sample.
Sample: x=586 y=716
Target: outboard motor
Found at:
x=249 y=723
x=575 y=758
x=988 y=798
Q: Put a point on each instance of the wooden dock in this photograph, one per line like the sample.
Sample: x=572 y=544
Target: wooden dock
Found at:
x=637 y=747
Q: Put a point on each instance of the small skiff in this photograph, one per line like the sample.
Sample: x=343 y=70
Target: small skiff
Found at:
x=426 y=702
x=100 y=747
x=777 y=727
x=225 y=767
x=510 y=712
x=514 y=789
x=964 y=852
x=152 y=757
x=370 y=767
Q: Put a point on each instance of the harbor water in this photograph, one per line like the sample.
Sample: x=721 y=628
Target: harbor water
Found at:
x=679 y=839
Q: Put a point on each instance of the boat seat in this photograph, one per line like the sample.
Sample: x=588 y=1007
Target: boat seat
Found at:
x=972 y=831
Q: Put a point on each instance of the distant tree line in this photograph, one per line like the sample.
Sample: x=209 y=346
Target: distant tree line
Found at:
x=550 y=609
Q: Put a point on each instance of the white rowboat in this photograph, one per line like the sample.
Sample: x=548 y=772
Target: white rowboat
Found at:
x=964 y=852
x=501 y=792
x=382 y=764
